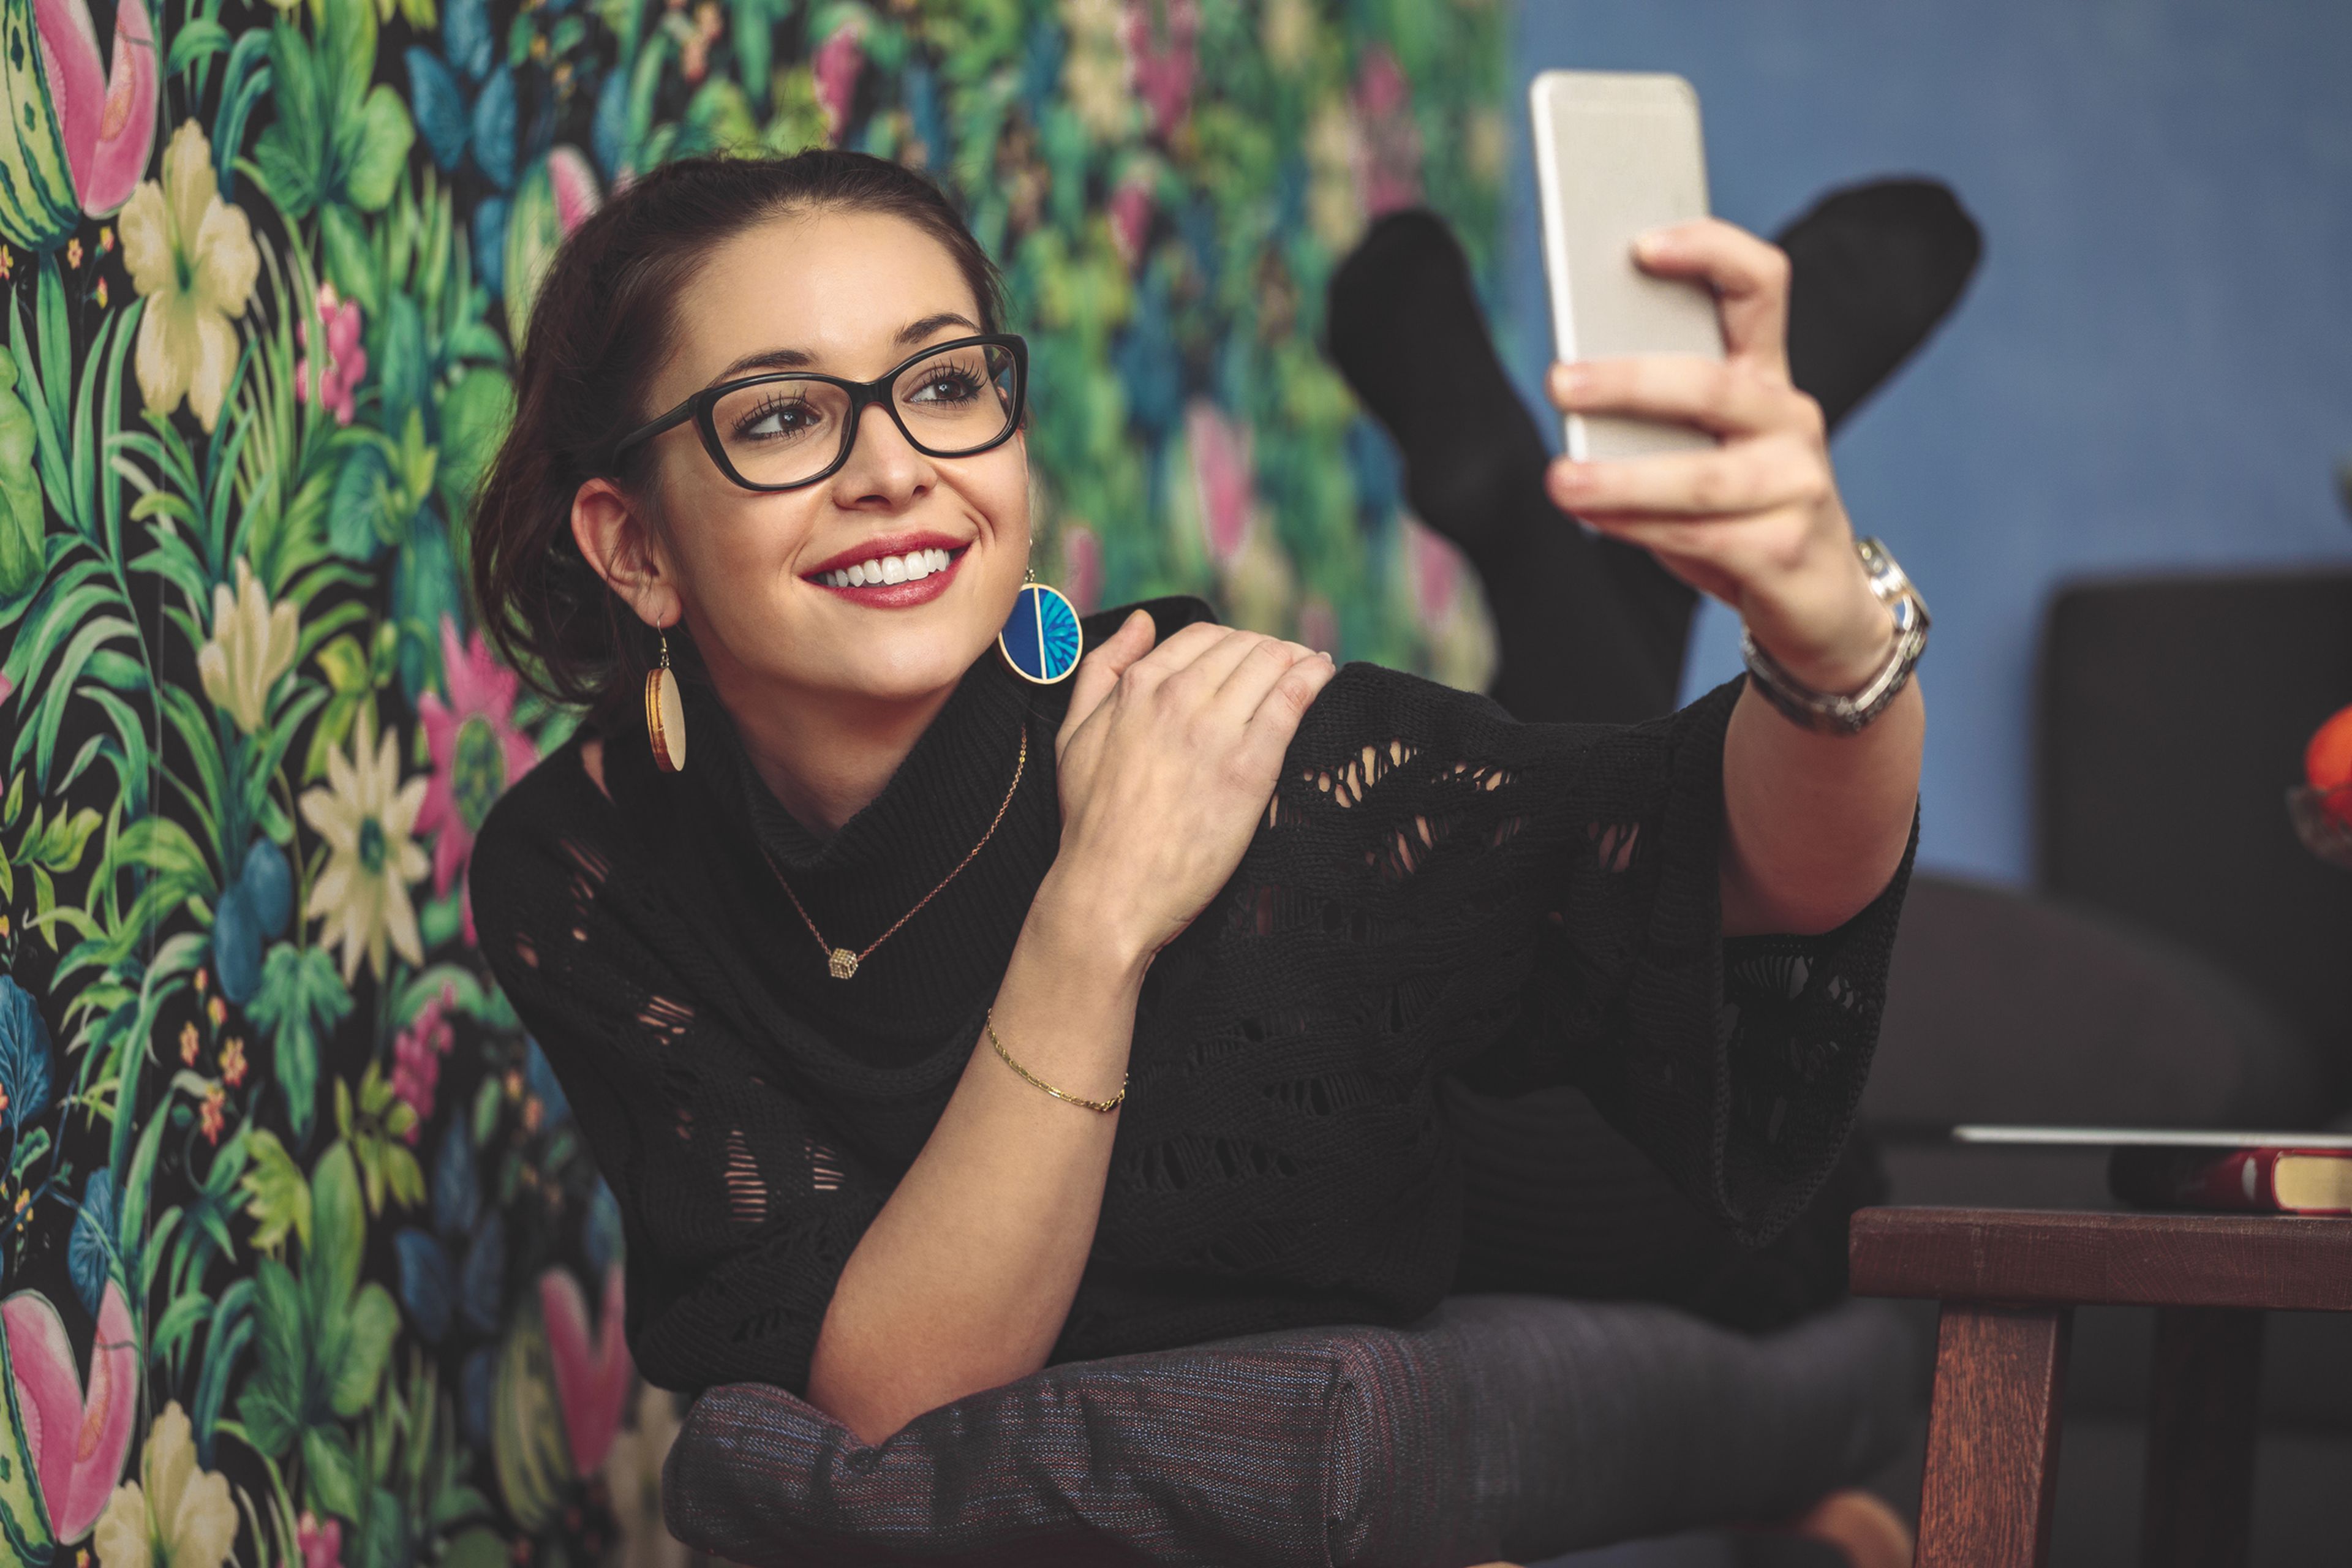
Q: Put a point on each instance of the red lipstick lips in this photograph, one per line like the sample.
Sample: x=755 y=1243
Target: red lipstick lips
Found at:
x=894 y=572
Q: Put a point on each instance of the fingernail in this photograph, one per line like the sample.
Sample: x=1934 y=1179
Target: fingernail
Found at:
x=1570 y=476
x=1652 y=244
x=1568 y=380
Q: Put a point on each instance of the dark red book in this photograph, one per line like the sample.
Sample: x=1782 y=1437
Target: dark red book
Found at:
x=2206 y=1168
x=2259 y=1181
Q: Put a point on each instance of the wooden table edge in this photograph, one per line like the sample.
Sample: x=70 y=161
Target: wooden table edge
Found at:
x=2081 y=1257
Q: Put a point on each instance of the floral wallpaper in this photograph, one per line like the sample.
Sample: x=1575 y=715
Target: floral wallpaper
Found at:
x=303 y=1261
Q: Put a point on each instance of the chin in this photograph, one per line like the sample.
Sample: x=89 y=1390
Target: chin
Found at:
x=912 y=665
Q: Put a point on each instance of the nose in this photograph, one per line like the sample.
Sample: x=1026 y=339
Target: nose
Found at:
x=883 y=468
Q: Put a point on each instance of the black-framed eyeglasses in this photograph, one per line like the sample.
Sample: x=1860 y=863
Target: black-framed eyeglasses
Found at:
x=781 y=431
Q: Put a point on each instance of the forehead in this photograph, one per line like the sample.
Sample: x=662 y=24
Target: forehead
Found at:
x=838 y=286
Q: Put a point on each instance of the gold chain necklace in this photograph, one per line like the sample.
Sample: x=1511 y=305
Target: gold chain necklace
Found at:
x=839 y=961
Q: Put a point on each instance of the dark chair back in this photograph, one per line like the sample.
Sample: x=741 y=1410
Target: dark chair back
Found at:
x=2174 y=714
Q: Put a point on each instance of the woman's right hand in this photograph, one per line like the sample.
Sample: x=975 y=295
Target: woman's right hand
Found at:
x=1168 y=757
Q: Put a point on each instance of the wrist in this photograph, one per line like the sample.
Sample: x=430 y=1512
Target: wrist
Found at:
x=1843 y=661
x=1836 y=643
x=1081 y=919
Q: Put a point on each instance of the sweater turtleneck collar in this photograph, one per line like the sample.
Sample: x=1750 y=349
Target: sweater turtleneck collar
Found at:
x=731 y=850
x=953 y=779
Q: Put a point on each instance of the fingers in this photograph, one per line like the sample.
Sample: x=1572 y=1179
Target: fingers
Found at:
x=1757 y=475
x=1750 y=278
x=1098 y=672
x=1256 y=673
x=1276 y=717
x=1731 y=399
x=1198 y=683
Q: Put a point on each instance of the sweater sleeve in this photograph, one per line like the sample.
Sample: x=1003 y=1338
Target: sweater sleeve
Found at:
x=1737 y=1063
x=1563 y=880
x=739 y=1208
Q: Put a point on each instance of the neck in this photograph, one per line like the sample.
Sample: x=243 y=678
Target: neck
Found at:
x=826 y=755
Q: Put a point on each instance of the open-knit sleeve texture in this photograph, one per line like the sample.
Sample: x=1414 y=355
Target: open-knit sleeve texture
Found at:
x=1435 y=889
x=739 y=1206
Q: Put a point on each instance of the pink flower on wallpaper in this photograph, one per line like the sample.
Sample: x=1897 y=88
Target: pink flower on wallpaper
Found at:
x=835 y=67
x=1161 y=38
x=77 y=1436
x=1436 y=568
x=417 y=1053
x=1388 y=149
x=1221 y=481
x=1130 y=216
x=322 y=1545
x=345 y=360
x=476 y=754
x=693 y=48
x=592 y=1378
x=1318 y=624
x=573 y=183
x=1082 y=567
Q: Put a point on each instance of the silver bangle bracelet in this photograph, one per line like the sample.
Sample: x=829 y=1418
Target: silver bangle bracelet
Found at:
x=1847 y=713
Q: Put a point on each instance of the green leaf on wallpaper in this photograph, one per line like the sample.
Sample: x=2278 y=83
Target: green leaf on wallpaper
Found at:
x=385 y=136
x=271 y=1405
x=360 y=520
x=719 y=118
x=331 y=1270
x=383 y=1538
x=350 y=262
x=278 y=1199
x=477 y=1548
x=370 y=1325
x=753 y=35
x=488 y=1102
x=291 y=153
x=474 y=414
x=301 y=996
x=20 y=490
x=332 y=1472
x=402 y=363
x=198 y=38
x=418 y=459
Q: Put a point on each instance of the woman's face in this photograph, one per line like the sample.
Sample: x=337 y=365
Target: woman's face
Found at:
x=853 y=295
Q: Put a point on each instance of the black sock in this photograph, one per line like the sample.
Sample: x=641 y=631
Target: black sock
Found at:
x=1875 y=268
x=1404 y=328
x=1589 y=630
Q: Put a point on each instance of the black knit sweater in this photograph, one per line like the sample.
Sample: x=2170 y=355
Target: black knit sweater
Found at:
x=1436 y=888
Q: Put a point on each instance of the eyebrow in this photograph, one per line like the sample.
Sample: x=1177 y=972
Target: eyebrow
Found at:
x=912 y=333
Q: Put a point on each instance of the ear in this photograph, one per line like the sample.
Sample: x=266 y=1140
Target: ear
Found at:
x=617 y=543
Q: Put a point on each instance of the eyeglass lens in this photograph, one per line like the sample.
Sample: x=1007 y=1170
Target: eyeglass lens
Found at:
x=784 y=431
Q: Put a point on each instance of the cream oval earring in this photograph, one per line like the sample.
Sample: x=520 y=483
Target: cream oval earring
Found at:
x=664 y=713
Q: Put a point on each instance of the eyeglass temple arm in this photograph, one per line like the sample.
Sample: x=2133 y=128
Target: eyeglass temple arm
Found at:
x=643 y=433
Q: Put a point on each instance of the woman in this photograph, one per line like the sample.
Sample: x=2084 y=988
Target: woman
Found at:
x=932 y=1025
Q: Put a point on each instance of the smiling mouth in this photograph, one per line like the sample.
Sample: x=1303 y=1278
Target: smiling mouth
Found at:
x=912 y=567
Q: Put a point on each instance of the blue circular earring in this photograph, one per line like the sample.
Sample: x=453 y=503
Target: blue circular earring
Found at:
x=1041 y=640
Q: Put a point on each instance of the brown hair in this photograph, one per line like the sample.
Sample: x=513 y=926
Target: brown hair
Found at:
x=601 y=325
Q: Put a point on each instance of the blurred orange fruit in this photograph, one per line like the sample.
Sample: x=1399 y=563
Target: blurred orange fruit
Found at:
x=2327 y=765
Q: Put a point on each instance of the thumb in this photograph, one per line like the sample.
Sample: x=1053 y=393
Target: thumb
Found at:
x=1098 y=672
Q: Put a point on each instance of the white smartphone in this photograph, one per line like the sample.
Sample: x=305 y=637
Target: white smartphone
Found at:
x=1618 y=153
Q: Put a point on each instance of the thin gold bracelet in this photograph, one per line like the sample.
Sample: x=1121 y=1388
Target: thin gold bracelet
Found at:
x=1101 y=1105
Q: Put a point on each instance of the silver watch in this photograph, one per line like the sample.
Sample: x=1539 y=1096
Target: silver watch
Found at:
x=1844 y=713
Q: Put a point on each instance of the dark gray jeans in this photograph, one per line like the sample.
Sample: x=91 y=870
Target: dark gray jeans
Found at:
x=1502 y=1426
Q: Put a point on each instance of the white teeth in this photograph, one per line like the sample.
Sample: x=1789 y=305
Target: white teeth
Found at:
x=911 y=567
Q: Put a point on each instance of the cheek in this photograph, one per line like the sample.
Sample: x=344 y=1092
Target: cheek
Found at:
x=733 y=547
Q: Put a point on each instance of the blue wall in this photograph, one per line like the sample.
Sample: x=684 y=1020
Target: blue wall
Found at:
x=2154 y=367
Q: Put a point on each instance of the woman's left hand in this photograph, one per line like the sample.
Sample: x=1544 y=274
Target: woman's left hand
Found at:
x=1756 y=522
